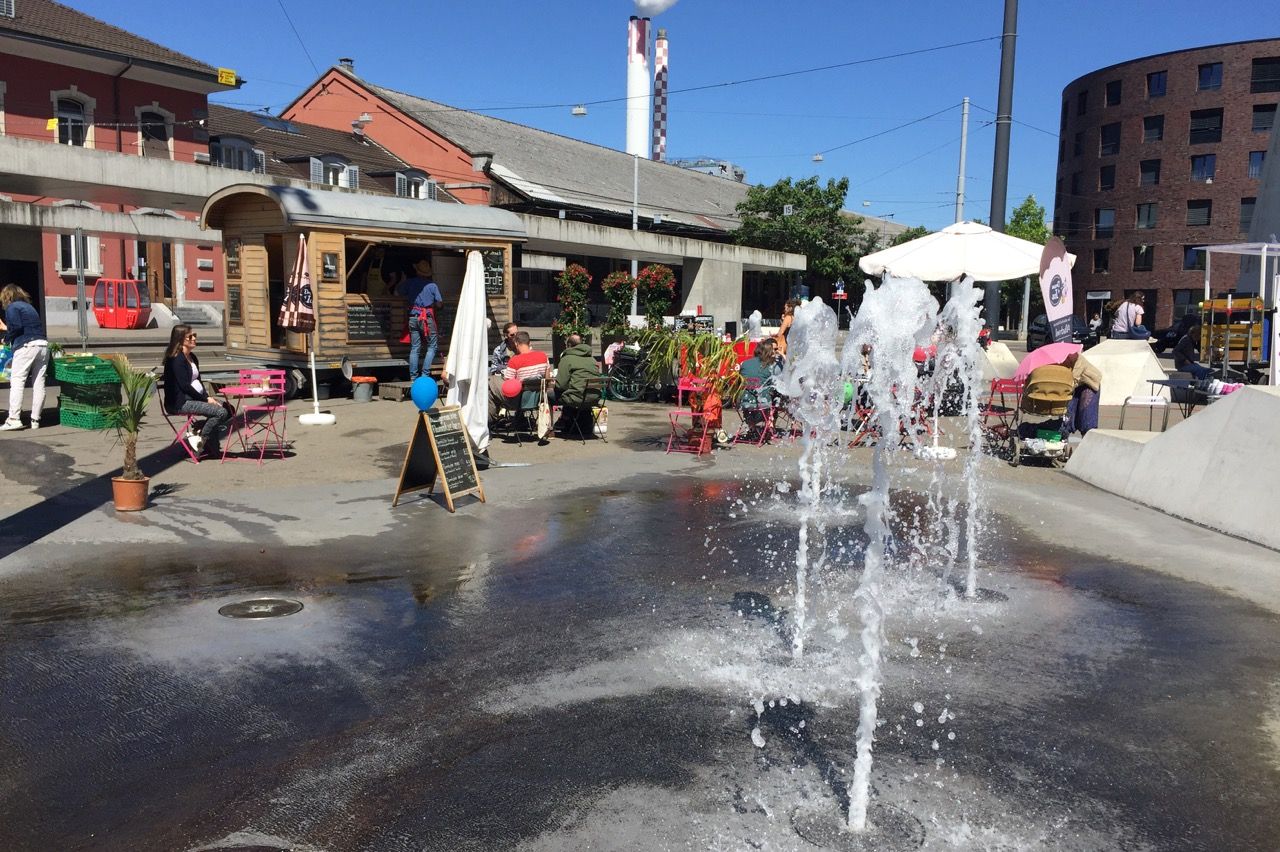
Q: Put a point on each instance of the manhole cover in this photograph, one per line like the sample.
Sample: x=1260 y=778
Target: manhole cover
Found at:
x=260 y=608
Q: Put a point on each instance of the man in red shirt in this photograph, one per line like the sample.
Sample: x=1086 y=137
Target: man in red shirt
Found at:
x=527 y=363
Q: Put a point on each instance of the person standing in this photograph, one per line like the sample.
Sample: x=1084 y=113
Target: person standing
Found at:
x=184 y=393
x=25 y=333
x=788 y=317
x=424 y=299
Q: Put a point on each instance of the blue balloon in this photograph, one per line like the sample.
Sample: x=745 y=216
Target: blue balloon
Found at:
x=424 y=392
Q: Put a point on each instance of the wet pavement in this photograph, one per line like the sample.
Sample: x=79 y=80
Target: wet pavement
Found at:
x=614 y=672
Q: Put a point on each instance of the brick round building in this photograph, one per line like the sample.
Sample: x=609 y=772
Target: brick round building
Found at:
x=1155 y=156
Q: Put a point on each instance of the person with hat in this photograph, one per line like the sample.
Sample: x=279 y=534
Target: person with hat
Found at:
x=424 y=299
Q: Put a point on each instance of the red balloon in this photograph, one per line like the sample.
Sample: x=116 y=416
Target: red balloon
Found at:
x=511 y=387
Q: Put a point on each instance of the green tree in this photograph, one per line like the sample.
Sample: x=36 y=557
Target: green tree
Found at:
x=910 y=234
x=1026 y=223
x=816 y=227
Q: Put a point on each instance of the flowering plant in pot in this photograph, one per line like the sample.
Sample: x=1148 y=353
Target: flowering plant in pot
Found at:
x=656 y=285
x=129 y=489
x=573 y=283
x=618 y=288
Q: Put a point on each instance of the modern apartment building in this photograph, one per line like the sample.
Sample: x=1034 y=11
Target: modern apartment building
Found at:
x=1159 y=155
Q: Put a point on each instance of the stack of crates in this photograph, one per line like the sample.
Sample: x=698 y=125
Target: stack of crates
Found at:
x=90 y=386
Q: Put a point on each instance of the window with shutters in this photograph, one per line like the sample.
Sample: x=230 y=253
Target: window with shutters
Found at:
x=1199 y=212
x=1192 y=259
x=1149 y=172
x=1146 y=216
x=1246 y=214
x=1111 y=94
x=1264 y=118
x=1106 y=178
x=1209 y=76
x=333 y=170
x=1156 y=83
x=1266 y=75
x=1102 y=260
x=1109 y=139
x=1204 y=167
x=1256 y=159
x=415 y=184
x=1153 y=128
x=1143 y=258
x=69 y=258
x=1104 y=223
x=6 y=9
x=1206 y=126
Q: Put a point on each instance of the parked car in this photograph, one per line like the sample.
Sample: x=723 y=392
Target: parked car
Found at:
x=1038 y=332
x=1167 y=338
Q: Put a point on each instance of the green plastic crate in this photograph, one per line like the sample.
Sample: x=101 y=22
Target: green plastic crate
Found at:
x=80 y=416
x=95 y=395
x=90 y=370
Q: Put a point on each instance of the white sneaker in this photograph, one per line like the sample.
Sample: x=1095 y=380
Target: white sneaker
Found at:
x=195 y=441
x=35 y=424
x=11 y=426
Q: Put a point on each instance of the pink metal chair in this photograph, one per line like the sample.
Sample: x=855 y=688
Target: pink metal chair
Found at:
x=264 y=421
x=756 y=403
x=688 y=385
x=180 y=432
x=692 y=436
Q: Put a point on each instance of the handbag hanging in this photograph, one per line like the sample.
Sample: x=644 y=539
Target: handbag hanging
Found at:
x=544 y=417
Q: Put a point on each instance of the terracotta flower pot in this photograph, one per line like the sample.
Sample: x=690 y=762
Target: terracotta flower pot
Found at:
x=129 y=495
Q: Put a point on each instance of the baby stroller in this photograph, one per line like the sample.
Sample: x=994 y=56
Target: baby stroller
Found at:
x=1037 y=428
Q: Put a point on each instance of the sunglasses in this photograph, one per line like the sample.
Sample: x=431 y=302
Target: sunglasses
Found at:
x=191 y=336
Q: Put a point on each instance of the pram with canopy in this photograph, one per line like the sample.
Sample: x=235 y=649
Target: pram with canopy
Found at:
x=1037 y=430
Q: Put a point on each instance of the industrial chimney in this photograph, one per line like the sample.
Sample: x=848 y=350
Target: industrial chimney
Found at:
x=638 y=87
x=660 y=57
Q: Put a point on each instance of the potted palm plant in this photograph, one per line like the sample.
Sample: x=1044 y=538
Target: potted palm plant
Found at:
x=129 y=489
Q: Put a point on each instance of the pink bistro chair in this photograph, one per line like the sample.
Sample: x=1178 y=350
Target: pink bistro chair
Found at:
x=179 y=431
x=266 y=420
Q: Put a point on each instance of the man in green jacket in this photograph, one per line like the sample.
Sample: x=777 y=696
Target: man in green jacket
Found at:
x=575 y=367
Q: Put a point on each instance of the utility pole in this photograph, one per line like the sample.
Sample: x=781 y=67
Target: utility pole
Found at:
x=964 y=150
x=635 y=226
x=1000 y=169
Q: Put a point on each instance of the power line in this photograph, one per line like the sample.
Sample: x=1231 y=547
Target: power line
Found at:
x=891 y=129
x=298 y=35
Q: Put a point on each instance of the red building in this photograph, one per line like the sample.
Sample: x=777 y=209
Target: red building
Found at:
x=1159 y=155
x=69 y=79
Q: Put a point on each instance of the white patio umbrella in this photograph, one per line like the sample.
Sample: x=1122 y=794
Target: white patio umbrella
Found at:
x=965 y=248
x=467 y=366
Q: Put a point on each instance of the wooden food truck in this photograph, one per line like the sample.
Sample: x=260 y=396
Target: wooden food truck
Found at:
x=359 y=247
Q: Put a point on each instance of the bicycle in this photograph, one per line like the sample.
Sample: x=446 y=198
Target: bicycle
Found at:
x=626 y=377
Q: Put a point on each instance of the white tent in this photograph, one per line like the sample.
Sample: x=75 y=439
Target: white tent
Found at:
x=965 y=248
x=467 y=366
x=1268 y=255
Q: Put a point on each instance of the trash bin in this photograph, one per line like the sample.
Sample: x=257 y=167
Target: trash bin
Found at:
x=362 y=388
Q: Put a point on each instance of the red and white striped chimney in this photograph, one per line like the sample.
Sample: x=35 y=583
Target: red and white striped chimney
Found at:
x=660 y=57
x=638 y=83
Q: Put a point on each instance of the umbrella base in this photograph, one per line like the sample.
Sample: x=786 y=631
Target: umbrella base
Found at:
x=317 y=419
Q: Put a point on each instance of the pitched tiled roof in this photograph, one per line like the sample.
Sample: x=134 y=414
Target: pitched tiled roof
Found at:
x=299 y=141
x=551 y=168
x=55 y=22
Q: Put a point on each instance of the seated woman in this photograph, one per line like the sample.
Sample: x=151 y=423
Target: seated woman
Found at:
x=184 y=393
x=1082 y=412
x=759 y=373
x=1186 y=358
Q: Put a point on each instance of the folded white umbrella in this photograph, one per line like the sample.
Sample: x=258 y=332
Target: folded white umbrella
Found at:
x=467 y=365
x=965 y=248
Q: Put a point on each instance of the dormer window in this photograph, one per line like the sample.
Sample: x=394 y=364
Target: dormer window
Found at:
x=333 y=170
x=232 y=153
x=415 y=184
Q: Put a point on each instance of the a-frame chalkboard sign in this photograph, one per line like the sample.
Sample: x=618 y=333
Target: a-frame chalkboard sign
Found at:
x=440 y=449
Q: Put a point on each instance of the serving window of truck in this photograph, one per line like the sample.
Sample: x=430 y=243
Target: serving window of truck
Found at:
x=360 y=248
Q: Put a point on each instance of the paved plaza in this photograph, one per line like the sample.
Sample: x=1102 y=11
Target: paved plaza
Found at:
x=597 y=657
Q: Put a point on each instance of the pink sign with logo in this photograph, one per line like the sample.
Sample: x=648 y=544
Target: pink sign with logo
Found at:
x=1055 y=286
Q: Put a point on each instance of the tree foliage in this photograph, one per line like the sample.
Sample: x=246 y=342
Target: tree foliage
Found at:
x=1027 y=223
x=816 y=228
x=910 y=234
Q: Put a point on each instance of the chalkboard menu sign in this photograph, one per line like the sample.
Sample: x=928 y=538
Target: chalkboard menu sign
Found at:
x=494 y=272
x=369 y=321
x=235 y=311
x=440 y=450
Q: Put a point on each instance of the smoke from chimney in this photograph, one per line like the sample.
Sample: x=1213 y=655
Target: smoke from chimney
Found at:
x=654 y=7
x=660 y=58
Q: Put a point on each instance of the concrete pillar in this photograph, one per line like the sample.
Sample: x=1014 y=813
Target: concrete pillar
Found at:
x=714 y=284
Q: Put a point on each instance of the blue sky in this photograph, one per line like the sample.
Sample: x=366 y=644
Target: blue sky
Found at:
x=512 y=59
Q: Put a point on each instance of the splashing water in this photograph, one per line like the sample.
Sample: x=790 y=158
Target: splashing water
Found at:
x=811 y=379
